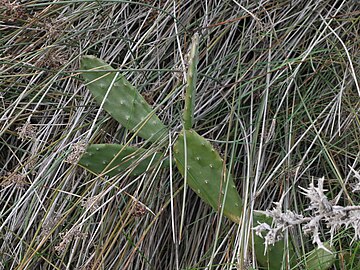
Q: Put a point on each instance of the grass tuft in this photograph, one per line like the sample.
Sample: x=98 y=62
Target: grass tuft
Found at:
x=277 y=92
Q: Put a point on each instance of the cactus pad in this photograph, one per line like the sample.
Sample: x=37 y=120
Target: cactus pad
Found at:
x=188 y=114
x=274 y=257
x=112 y=159
x=320 y=259
x=122 y=100
x=205 y=174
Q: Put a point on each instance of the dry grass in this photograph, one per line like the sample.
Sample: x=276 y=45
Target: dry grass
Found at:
x=277 y=94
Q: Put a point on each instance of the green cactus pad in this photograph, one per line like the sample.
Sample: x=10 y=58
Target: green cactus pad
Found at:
x=190 y=92
x=274 y=257
x=122 y=100
x=112 y=159
x=205 y=174
x=320 y=259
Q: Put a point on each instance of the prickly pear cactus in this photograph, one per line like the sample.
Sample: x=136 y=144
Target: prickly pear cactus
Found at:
x=205 y=174
x=188 y=115
x=122 y=100
x=111 y=159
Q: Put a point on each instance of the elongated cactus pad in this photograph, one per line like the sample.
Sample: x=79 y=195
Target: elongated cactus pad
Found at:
x=122 y=101
x=205 y=174
x=112 y=159
x=274 y=258
x=190 y=92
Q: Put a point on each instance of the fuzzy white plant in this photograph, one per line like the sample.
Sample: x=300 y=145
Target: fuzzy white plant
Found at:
x=321 y=210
